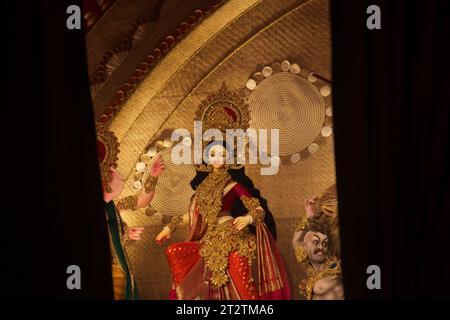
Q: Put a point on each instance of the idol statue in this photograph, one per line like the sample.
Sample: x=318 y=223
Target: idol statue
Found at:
x=124 y=284
x=317 y=248
x=230 y=253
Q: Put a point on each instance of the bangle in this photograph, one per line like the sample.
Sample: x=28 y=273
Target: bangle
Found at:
x=174 y=223
x=150 y=184
x=254 y=209
x=303 y=224
x=129 y=202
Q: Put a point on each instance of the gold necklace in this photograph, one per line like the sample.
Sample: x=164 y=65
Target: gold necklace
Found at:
x=332 y=269
x=209 y=196
x=215 y=249
x=220 y=240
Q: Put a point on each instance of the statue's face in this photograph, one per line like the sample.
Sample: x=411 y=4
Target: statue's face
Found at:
x=217 y=156
x=316 y=246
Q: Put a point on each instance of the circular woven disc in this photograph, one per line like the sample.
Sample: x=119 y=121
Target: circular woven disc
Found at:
x=291 y=104
x=173 y=190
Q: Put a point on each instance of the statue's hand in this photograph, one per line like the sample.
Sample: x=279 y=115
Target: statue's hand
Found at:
x=241 y=222
x=157 y=167
x=163 y=236
x=134 y=233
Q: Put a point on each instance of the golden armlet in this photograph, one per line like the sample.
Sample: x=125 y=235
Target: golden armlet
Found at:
x=129 y=203
x=150 y=184
x=254 y=209
x=303 y=224
x=175 y=223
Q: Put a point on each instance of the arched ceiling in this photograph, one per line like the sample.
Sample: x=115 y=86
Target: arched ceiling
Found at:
x=236 y=39
x=228 y=46
x=127 y=33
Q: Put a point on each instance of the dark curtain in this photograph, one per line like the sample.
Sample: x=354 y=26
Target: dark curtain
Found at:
x=53 y=215
x=391 y=114
x=391 y=131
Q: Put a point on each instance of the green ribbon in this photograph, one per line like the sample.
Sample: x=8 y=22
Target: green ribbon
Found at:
x=116 y=229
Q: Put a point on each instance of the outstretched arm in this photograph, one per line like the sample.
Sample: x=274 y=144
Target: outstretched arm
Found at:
x=147 y=193
x=296 y=238
x=303 y=222
x=297 y=242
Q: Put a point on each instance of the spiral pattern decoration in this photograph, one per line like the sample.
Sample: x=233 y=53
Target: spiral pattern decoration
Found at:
x=290 y=103
x=173 y=191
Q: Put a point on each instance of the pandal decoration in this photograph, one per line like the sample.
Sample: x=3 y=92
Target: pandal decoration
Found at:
x=108 y=151
x=224 y=110
x=295 y=100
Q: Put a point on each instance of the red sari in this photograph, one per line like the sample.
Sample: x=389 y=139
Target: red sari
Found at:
x=266 y=279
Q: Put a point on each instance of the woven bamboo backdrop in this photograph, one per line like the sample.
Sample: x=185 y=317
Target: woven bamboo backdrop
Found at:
x=237 y=40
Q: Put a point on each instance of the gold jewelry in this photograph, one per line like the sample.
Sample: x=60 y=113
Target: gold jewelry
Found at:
x=220 y=240
x=301 y=254
x=150 y=184
x=254 y=209
x=221 y=110
x=125 y=239
x=217 y=246
x=209 y=195
x=333 y=269
x=303 y=224
x=108 y=150
x=174 y=223
x=204 y=168
x=127 y=203
x=224 y=109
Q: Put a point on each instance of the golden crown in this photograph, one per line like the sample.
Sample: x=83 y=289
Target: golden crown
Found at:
x=224 y=109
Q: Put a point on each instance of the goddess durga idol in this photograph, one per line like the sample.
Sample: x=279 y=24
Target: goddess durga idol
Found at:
x=230 y=253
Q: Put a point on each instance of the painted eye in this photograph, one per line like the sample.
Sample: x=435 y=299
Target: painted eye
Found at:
x=316 y=242
x=213 y=154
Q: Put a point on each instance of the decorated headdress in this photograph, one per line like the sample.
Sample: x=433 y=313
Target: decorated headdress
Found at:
x=108 y=150
x=222 y=110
